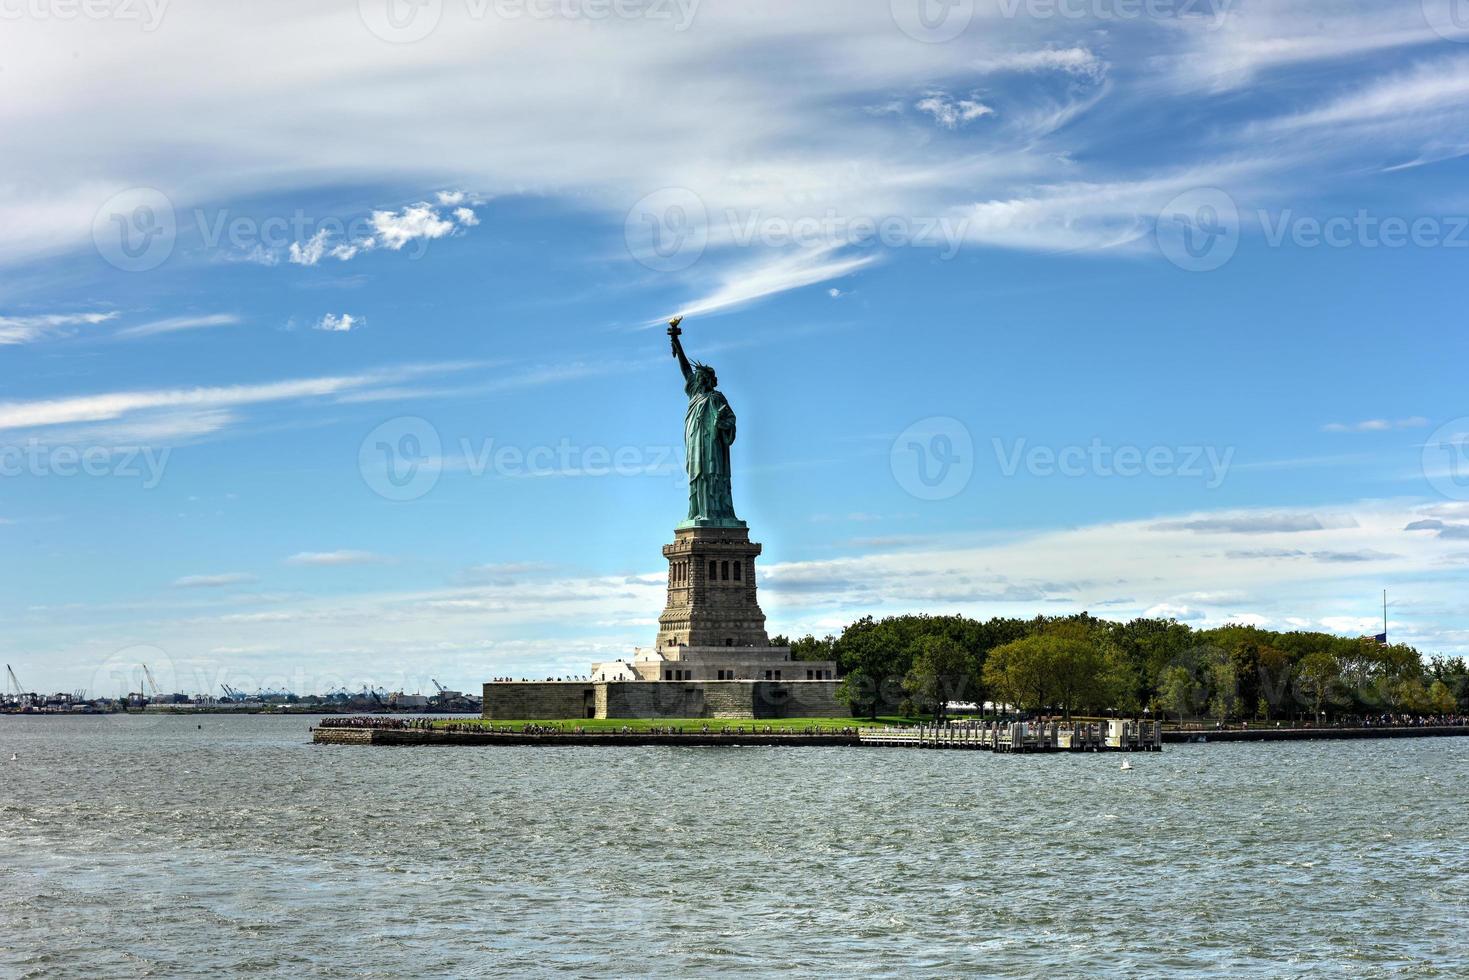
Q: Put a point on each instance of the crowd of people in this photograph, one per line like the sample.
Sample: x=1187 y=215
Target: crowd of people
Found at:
x=1385 y=720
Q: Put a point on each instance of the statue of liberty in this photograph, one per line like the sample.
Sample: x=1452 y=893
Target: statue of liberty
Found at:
x=709 y=430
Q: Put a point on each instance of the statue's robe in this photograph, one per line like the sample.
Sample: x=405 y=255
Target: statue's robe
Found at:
x=709 y=429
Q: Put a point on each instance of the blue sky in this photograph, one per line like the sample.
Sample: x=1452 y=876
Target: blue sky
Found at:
x=1175 y=289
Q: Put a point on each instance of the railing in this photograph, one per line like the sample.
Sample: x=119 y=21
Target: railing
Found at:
x=1021 y=736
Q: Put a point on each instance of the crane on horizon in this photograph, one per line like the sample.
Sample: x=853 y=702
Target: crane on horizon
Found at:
x=11 y=681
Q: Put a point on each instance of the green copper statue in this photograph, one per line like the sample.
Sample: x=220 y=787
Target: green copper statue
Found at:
x=709 y=430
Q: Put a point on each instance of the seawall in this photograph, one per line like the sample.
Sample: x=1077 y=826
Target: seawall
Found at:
x=1312 y=734
x=418 y=736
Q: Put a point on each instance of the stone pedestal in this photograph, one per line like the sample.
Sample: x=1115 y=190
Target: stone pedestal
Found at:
x=711 y=590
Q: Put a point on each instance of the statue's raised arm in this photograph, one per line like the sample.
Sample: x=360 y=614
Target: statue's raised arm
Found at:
x=673 y=334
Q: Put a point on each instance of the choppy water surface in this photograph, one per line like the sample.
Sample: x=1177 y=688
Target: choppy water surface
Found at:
x=147 y=846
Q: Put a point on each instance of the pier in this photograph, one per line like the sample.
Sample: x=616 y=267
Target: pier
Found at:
x=1022 y=737
x=1003 y=737
x=373 y=735
x=1112 y=735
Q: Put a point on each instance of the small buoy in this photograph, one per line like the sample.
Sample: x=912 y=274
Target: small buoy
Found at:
x=14 y=757
x=1126 y=766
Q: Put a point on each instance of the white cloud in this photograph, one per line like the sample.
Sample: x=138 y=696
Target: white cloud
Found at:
x=25 y=329
x=1075 y=60
x=256 y=254
x=1376 y=425
x=131 y=405
x=177 y=323
x=1232 y=48
x=1352 y=625
x=310 y=251
x=1247 y=522
x=1090 y=216
x=1422 y=95
x=952 y=113
x=1167 y=610
x=338 y=323
x=804 y=145
x=213 y=581
x=364 y=109
x=394 y=229
x=783 y=271
x=1053 y=571
x=320 y=558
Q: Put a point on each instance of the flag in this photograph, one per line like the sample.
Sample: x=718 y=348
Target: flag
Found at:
x=1381 y=639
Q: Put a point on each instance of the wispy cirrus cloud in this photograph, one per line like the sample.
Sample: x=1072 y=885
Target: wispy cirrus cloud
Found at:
x=177 y=323
x=1417 y=96
x=1376 y=425
x=1246 y=522
x=177 y=413
x=1240 y=42
x=33 y=327
x=334 y=558
x=766 y=276
x=213 y=581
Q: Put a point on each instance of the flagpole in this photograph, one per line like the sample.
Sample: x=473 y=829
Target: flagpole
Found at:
x=1384 y=615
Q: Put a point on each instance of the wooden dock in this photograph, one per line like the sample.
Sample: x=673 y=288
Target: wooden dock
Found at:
x=1023 y=737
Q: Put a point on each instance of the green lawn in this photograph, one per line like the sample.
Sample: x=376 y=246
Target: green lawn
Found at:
x=695 y=724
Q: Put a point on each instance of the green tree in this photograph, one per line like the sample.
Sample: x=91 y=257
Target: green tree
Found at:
x=1179 y=692
x=1441 y=700
x=1020 y=673
x=807 y=647
x=942 y=671
x=1319 y=673
x=1090 y=671
x=1224 y=699
x=858 y=691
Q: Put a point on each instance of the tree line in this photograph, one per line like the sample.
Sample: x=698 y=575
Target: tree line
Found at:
x=918 y=664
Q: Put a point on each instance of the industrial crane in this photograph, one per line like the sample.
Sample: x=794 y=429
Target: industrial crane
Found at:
x=152 y=684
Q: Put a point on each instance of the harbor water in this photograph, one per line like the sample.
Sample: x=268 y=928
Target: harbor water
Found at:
x=222 y=845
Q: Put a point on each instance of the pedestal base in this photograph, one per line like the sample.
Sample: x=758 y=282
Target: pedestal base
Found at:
x=711 y=589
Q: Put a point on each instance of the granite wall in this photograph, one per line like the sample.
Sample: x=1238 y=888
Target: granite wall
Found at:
x=550 y=700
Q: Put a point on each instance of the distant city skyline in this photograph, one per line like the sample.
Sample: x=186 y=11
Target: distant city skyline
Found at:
x=304 y=385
